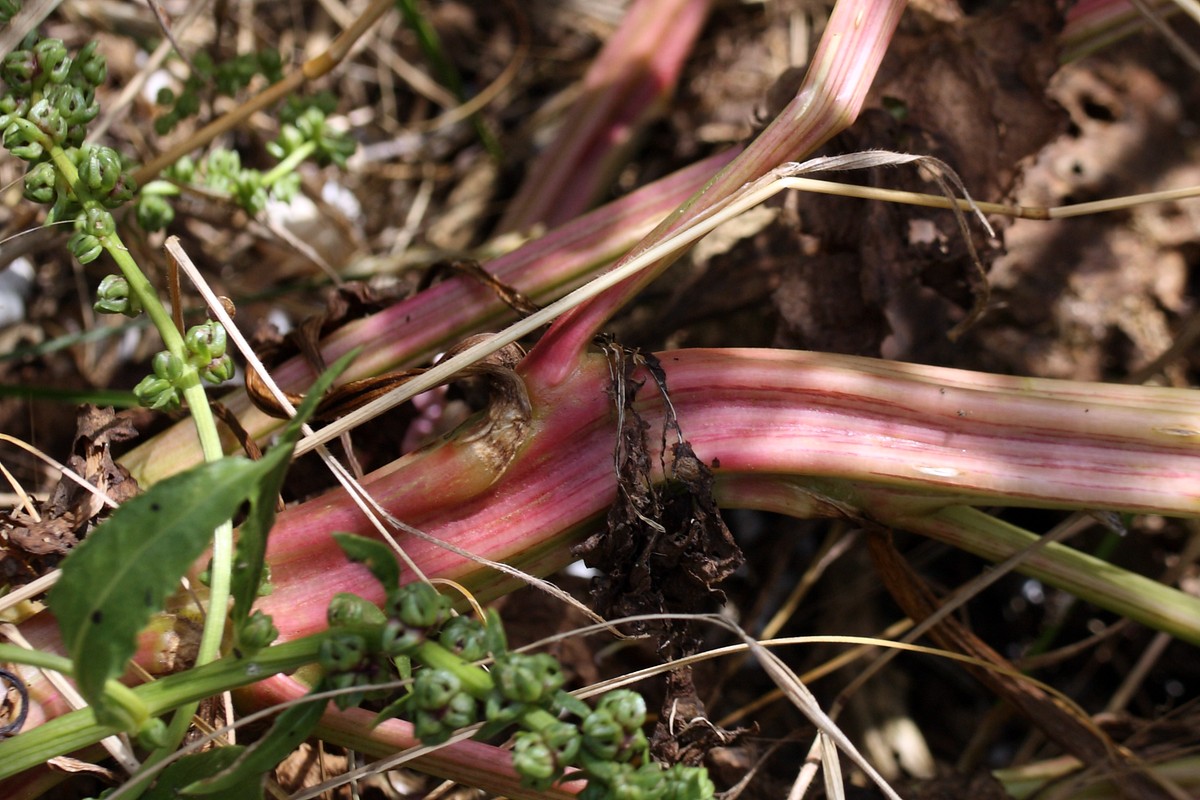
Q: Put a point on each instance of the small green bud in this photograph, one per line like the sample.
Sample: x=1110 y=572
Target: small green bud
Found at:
x=688 y=783
x=286 y=187
x=249 y=192
x=528 y=677
x=115 y=297
x=397 y=639
x=433 y=689
x=418 y=605
x=628 y=708
x=165 y=96
x=346 y=680
x=461 y=711
x=350 y=609
x=219 y=370
x=8 y=10
x=96 y=221
x=205 y=342
x=46 y=117
x=342 y=652
x=90 y=65
x=17 y=69
x=257 y=632
x=428 y=727
x=74 y=105
x=22 y=142
x=183 y=170
x=534 y=761
x=99 y=168
x=167 y=366
x=157 y=394
x=154 y=212
x=53 y=62
x=41 y=183
x=602 y=736
x=85 y=247
x=465 y=637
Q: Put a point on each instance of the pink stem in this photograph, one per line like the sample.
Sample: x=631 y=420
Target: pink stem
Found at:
x=625 y=86
x=830 y=98
x=414 y=330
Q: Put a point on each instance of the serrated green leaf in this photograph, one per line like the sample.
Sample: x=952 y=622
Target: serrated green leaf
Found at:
x=122 y=573
x=372 y=554
x=251 y=552
x=290 y=729
x=198 y=766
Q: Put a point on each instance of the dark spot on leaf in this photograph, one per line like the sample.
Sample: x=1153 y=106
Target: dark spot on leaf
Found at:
x=97 y=617
x=155 y=507
x=148 y=599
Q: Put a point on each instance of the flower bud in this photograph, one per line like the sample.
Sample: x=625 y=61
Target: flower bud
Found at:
x=85 y=247
x=90 y=65
x=464 y=637
x=157 y=394
x=257 y=632
x=115 y=297
x=418 y=605
x=53 y=62
x=41 y=183
x=342 y=652
x=167 y=366
x=350 y=609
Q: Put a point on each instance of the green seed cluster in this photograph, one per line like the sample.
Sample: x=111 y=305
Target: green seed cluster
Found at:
x=304 y=133
x=206 y=344
x=49 y=99
x=416 y=634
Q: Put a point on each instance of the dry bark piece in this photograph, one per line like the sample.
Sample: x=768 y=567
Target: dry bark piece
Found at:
x=71 y=507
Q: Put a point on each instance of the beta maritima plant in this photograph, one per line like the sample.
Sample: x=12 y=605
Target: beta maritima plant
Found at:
x=559 y=735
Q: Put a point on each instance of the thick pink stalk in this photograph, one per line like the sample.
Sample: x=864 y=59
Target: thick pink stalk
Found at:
x=942 y=437
x=626 y=86
x=803 y=433
x=414 y=330
x=830 y=98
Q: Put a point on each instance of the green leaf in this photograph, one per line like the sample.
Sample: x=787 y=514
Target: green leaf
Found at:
x=121 y=574
x=372 y=554
x=251 y=552
x=198 y=766
x=290 y=729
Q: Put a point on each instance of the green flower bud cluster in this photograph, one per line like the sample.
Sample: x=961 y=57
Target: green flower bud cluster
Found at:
x=8 y=10
x=206 y=344
x=310 y=125
x=304 y=134
x=227 y=78
x=50 y=97
x=416 y=629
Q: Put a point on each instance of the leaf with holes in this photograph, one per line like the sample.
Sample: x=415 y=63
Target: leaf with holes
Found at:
x=122 y=573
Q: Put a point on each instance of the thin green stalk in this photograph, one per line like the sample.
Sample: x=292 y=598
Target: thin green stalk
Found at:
x=289 y=164
x=192 y=389
x=79 y=729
